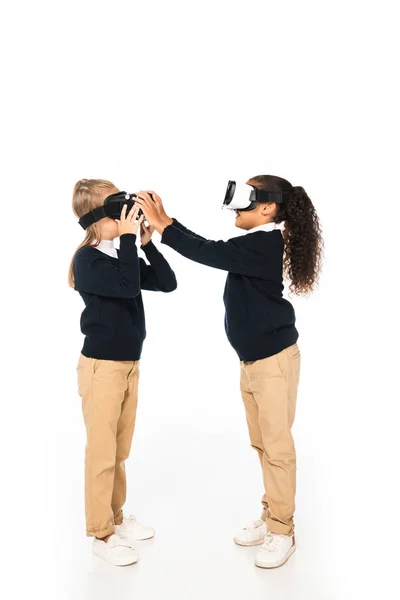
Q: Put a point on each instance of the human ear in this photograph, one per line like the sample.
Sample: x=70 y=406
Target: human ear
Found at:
x=267 y=208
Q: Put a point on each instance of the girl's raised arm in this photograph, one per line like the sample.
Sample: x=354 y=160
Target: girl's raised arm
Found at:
x=94 y=273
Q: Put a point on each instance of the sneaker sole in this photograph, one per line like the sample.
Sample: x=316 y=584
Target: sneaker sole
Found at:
x=143 y=539
x=123 y=562
x=133 y=540
x=248 y=544
x=280 y=563
x=137 y=539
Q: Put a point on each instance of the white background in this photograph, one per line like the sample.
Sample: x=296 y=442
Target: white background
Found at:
x=180 y=97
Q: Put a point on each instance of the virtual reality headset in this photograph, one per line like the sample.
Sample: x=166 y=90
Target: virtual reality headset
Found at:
x=241 y=196
x=111 y=208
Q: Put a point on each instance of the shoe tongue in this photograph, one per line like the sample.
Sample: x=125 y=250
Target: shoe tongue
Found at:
x=114 y=540
x=253 y=525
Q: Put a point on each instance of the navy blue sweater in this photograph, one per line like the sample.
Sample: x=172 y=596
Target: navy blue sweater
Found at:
x=259 y=322
x=113 y=320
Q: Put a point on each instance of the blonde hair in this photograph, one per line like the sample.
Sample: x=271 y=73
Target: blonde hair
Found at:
x=87 y=195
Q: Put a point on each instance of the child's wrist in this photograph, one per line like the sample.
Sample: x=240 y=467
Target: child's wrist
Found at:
x=164 y=223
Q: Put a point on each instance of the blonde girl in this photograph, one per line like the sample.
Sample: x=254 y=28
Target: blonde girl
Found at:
x=113 y=323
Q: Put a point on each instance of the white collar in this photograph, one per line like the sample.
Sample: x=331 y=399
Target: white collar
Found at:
x=266 y=227
x=107 y=247
x=106 y=244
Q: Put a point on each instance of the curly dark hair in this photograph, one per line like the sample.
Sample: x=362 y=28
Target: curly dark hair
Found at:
x=302 y=234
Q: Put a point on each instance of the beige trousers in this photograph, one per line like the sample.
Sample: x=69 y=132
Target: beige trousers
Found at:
x=109 y=392
x=269 y=391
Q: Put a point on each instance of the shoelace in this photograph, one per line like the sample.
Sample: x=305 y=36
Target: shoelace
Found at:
x=254 y=525
x=114 y=542
x=129 y=521
x=132 y=519
x=270 y=542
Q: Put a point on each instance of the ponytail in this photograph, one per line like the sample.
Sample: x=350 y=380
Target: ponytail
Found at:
x=302 y=233
x=303 y=242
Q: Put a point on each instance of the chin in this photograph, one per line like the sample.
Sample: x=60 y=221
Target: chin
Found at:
x=239 y=221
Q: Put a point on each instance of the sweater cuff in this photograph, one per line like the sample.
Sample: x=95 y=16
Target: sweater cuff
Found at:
x=149 y=248
x=127 y=241
x=178 y=225
x=171 y=235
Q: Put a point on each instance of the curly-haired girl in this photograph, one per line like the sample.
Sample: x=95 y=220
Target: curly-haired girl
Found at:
x=284 y=238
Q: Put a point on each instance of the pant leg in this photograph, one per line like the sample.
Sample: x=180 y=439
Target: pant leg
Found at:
x=251 y=409
x=102 y=385
x=253 y=425
x=126 y=427
x=273 y=382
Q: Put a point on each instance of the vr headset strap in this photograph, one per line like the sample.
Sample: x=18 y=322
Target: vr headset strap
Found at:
x=277 y=197
x=92 y=217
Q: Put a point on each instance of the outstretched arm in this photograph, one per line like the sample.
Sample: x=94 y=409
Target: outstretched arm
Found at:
x=234 y=255
x=184 y=229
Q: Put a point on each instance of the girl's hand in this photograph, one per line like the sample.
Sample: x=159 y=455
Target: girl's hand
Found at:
x=158 y=202
x=129 y=223
x=153 y=210
x=145 y=233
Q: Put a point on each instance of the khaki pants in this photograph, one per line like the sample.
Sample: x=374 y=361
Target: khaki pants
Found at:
x=109 y=391
x=269 y=390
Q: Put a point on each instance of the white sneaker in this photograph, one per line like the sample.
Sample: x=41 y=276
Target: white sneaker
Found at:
x=131 y=531
x=276 y=550
x=115 y=551
x=252 y=535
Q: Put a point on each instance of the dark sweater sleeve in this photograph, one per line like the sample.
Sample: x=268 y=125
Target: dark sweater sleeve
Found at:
x=185 y=230
x=158 y=275
x=95 y=273
x=236 y=255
